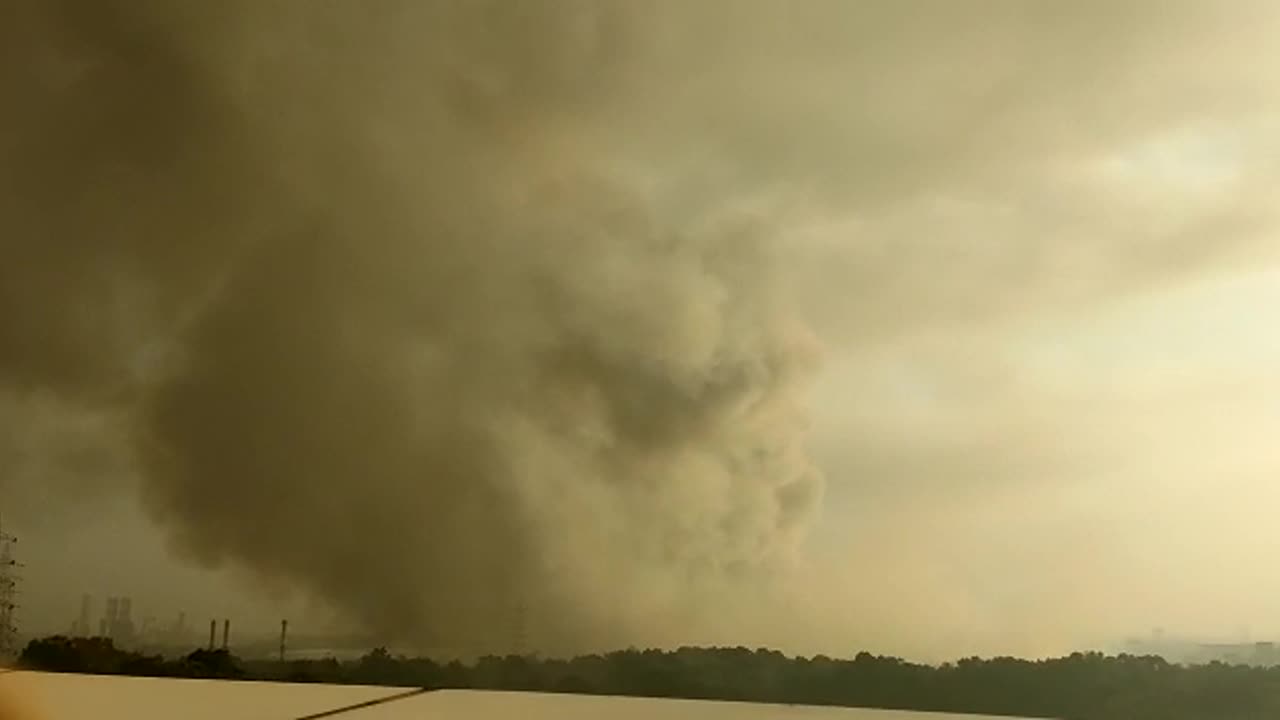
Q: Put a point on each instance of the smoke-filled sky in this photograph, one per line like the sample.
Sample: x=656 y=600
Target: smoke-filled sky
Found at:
x=925 y=327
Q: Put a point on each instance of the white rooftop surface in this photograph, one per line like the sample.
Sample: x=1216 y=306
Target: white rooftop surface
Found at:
x=545 y=706
x=96 y=697
x=106 y=697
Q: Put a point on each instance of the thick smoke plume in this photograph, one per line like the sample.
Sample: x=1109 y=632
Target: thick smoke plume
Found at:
x=391 y=316
x=468 y=315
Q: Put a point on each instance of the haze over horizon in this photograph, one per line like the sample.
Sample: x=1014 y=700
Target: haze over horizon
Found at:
x=928 y=328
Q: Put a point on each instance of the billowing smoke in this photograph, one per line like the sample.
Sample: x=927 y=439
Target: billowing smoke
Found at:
x=391 y=317
x=458 y=315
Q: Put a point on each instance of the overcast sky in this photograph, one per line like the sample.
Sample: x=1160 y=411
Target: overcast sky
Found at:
x=1033 y=245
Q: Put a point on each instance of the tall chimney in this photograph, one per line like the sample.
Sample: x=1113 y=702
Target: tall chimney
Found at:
x=226 y=632
x=284 y=630
x=213 y=632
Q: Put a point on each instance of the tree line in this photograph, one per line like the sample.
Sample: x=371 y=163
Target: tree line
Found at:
x=1082 y=686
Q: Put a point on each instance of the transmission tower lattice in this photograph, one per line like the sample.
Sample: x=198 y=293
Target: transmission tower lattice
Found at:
x=8 y=596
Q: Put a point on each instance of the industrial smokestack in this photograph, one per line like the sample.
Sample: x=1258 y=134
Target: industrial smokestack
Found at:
x=226 y=633
x=213 y=632
x=284 y=630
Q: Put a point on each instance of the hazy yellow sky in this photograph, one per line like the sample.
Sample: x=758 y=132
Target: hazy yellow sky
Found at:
x=1071 y=479
x=1082 y=462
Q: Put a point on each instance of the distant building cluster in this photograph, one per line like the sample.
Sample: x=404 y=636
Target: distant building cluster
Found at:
x=1262 y=654
x=1190 y=652
x=116 y=622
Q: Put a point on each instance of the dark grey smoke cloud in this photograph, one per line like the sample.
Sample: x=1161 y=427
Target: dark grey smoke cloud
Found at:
x=385 y=325
x=455 y=313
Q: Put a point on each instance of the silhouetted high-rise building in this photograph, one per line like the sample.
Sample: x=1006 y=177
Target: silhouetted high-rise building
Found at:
x=83 y=626
x=117 y=622
x=123 y=630
x=178 y=634
x=109 y=617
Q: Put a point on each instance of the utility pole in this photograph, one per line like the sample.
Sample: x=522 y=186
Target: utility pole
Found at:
x=8 y=596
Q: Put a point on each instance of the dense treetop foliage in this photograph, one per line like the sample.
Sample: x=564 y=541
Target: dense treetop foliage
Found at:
x=1083 y=686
